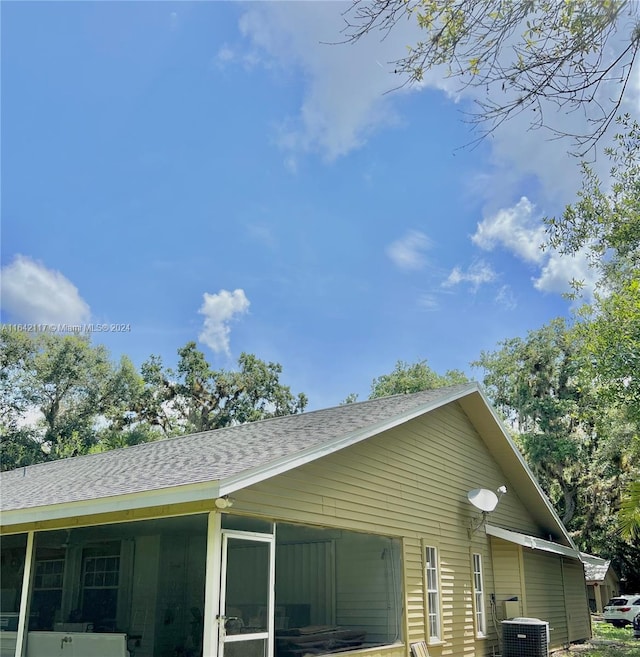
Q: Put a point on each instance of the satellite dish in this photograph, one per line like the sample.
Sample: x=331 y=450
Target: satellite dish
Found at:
x=484 y=499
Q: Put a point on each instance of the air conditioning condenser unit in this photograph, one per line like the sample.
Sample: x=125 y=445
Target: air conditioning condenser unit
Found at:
x=525 y=637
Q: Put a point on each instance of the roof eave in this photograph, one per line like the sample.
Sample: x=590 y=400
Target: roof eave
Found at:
x=532 y=542
x=118 y=503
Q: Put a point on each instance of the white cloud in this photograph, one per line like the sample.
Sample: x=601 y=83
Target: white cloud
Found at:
x=479 y=273
x=408 y=252
x=506 y=298
x=350 y=91
x=428 y=302
x=224 y=55
x=345 y=85
x=218 y=310
x=521 y=232
x=514 y=228
x=32 y=293
x=560 y=270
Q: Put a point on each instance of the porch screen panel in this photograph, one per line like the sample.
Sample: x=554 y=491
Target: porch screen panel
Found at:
x=306 y=575
x=247 y=586
x=48 y=580
x=12 y=558
x=100 y=585
x=369 y=586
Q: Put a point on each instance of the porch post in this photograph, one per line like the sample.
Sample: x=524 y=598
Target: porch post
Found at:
x=25 y=597
x=212 y=585
x=598 y=597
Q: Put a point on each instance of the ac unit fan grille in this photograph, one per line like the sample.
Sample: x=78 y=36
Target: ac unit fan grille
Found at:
x=524 y=639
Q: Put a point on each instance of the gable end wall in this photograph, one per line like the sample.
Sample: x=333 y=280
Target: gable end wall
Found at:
x=410 y=482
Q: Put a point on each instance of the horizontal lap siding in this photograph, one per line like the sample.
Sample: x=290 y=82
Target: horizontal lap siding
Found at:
x=408 y=482
x=414 y=590
x=457 y=602
x=545 y=593
x=506 y=571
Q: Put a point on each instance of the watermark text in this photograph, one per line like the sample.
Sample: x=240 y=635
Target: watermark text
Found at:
x=69 y=328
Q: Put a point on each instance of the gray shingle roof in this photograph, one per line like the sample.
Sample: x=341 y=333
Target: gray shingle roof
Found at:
x=595 y=568
x=203 y=457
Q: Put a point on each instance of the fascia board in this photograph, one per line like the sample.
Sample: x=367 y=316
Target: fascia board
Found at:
x=532 y=542
x=260 y=473
x=127 y=502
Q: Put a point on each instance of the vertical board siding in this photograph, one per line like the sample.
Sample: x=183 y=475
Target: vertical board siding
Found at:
x=578 y=615
x=306 y=574
x=366 y=595
x=545 y=593
x=409 y=482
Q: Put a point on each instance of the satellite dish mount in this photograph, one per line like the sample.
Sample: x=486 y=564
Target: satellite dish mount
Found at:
x=484 y=500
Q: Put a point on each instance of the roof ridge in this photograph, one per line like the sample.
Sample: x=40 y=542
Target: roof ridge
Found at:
x=207 y=432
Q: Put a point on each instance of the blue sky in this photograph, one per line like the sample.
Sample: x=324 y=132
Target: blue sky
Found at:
x=217 y=172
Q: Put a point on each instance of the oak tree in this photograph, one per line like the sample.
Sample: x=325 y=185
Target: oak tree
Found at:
x=532 y=56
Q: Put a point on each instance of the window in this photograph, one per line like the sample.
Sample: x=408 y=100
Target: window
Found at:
x=478 y=596
x=434 y=625
x=100 y=578
x=48 y=577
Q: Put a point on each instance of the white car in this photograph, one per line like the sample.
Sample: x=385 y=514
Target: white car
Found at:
x=622 y=610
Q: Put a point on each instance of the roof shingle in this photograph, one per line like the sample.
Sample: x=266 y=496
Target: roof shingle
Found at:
x=202 y=457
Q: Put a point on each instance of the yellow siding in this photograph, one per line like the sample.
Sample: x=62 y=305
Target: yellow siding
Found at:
x=505 y=558
x=412 y=482
x=414 y=590
x=545 y=593
x=578 y=616
x=409 y=482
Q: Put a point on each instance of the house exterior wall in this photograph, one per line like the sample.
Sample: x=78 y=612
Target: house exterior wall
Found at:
x=548 y=586
x=578 y=616
x=506 y=560
x=411 y=482
x=545 y=593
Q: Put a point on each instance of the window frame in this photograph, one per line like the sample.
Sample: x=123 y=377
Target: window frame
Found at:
x=45 y=584
x=432 y=594
x=479 y=607
x=114 y=552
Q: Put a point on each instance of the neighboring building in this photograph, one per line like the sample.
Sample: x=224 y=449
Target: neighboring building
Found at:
x=352 y=523
x=602 y=581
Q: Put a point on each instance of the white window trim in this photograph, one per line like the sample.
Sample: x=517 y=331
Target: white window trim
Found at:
x=43 y=575
x=479 y=611
x=432 y=564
